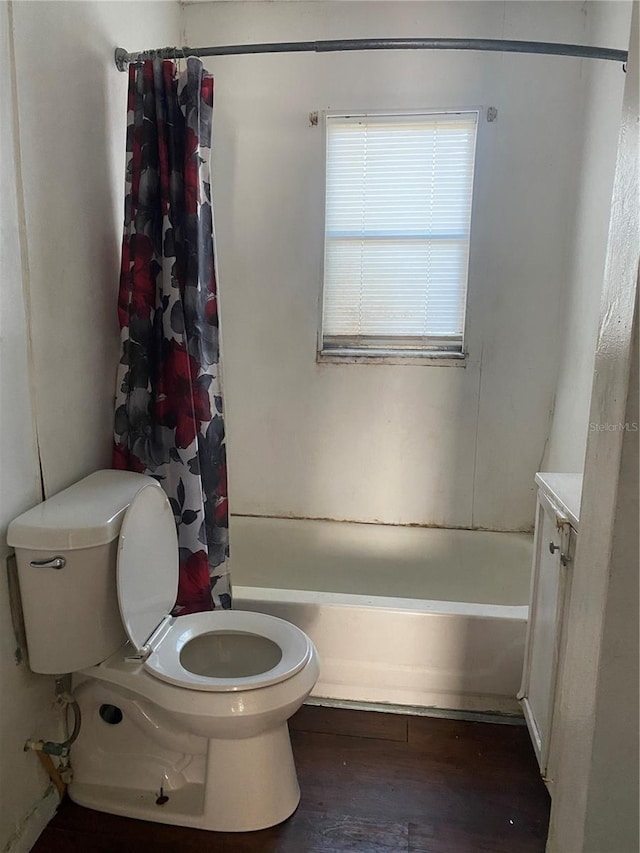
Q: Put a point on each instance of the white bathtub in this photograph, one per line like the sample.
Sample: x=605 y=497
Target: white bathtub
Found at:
x=408 y=616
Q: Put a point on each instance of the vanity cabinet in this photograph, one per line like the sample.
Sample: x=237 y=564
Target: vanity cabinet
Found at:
x=557 y=514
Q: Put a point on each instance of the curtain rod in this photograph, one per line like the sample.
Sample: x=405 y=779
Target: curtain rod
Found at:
x=123 y=58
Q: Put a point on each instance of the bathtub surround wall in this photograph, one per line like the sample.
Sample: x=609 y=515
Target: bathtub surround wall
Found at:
x=452 y=446
x=62 y=197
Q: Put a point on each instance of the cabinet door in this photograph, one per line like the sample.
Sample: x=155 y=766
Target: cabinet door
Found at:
x=545 y=626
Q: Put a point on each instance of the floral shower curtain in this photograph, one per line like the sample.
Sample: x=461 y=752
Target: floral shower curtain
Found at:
x=169 y=418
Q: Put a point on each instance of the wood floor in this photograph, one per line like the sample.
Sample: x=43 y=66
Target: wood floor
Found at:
x=371 y=783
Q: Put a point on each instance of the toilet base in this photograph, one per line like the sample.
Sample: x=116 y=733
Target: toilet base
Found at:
x=249 y=784
x=223 y=761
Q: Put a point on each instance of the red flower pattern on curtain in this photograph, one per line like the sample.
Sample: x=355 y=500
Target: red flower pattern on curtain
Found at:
x=169 y=416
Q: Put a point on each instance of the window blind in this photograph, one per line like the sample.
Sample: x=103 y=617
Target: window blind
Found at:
x=398 y=213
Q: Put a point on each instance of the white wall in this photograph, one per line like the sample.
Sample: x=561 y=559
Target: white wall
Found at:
x=407 y=444
x=613 y=798
x=25 y=699
x=595 y=802
x=608 y=25
x=72 y=137
x=72 y=117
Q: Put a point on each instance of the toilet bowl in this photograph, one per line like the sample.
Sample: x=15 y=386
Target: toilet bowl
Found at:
x=186 y=722
x=229 y=742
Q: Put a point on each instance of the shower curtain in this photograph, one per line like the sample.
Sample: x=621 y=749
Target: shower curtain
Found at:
x=169 y=415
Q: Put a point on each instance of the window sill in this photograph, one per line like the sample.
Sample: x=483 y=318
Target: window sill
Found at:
x=428 y=358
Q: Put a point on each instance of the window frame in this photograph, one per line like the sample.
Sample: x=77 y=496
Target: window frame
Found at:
x=400 y=353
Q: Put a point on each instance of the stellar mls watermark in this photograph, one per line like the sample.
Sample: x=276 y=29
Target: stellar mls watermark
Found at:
x=620 y=427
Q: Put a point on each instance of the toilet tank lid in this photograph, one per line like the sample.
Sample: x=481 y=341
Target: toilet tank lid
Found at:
x=87 y=514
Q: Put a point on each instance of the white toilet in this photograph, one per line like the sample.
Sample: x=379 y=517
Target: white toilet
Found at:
x=195 y=705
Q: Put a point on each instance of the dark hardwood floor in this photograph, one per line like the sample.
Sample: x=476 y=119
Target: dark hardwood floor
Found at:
x=371 y=783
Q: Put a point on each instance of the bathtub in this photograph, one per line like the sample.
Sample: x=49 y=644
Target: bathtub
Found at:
x=423 y=618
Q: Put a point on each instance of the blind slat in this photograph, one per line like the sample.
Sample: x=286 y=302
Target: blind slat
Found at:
x=398 y=212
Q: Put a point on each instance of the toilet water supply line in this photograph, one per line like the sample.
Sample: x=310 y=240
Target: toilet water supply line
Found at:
x=62 y=774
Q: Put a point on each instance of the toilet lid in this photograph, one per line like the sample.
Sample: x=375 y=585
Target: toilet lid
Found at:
x=147 y=566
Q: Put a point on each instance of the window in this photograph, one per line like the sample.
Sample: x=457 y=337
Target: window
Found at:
x=397 y=221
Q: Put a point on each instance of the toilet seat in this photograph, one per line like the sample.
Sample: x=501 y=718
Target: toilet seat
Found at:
x=164 y=661
x=147 y=581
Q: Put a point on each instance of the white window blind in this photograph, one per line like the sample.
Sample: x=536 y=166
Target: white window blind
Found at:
x=398 y=213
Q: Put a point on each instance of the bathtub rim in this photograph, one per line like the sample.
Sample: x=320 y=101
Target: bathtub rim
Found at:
x=518 y=612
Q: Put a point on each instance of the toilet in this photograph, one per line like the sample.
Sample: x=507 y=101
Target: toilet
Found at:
x=184 y=718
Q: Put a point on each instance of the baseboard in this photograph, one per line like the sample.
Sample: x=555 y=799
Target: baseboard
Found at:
x=34 y=823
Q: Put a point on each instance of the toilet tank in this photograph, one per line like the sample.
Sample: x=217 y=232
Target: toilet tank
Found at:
x=71 y=614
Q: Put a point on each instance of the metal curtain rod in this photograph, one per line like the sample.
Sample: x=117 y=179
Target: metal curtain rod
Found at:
x=122 y=58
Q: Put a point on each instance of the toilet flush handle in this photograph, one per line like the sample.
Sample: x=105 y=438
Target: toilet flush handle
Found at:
x=50 y=563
